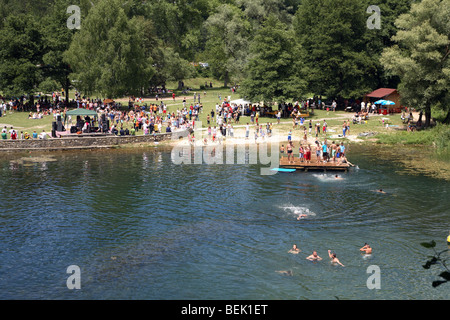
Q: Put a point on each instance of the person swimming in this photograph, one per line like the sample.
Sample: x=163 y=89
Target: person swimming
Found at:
x=314 y=257
x=366 y=248
x=333 y=258
x=301 y=216
x=337 y=177
x=380 y=191
x=285 y=272
x=294 y=249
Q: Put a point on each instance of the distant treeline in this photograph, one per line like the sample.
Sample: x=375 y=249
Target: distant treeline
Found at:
x=277 y=50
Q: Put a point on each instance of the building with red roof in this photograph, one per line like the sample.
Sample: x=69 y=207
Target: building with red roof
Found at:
x=385 y=94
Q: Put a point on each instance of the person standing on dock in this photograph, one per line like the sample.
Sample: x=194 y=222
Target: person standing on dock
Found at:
x=289 y=152
x=325 y=151
x=301 y=153
x=308 y=154
x=318 y=148
x=342 y=149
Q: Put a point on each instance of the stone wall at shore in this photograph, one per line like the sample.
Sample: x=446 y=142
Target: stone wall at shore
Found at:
x=84 y=142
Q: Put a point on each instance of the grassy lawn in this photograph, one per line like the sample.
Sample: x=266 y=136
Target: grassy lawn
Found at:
x=210 y=97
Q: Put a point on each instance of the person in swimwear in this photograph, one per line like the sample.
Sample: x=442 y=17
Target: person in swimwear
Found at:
x=380 y=191
x=285 y=272
x=367 y=249
x=337 y=177
x=314 y=257
x=301 y=215
x=333 y=258
x=294 y=249
x=289 y=151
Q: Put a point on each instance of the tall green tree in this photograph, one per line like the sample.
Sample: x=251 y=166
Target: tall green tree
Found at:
x=332 y=35
x=57 y=38
x=178 y=23
x=274 y=69
x=227 y=42
x=420 y=56
x=21 y=50
x=107 y=55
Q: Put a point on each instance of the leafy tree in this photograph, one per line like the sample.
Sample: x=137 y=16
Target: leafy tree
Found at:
x=258 y=10
x=227 y=44
x=420 y=56
x=273 y=72
x=57 y=39
x=178 y=23
x=169 y=66
x=20 y=54
x=332 y=35
x=106 y=55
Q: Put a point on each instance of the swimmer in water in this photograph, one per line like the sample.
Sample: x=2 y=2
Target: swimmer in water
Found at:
x=337 y=177
x=301 y=215
x=380 y=191
x=285 y=272
x=314 y=257
x=294 y=249
x=367 y=249
x=333 y=258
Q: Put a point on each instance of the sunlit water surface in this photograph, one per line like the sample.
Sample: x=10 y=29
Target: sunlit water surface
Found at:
x=141 y=227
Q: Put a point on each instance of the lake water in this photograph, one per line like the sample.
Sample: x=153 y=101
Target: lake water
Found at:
x=141 y=227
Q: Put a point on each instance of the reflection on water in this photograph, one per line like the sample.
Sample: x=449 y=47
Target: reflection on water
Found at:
x=141 y=227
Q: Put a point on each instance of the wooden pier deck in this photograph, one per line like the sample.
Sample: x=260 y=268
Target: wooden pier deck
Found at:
x=313 y=165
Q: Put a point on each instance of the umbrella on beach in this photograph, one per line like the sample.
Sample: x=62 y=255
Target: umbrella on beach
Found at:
x=385 y=102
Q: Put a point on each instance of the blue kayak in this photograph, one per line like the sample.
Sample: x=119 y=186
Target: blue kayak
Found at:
x=283 y=170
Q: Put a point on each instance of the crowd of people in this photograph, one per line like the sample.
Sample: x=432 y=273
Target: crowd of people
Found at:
x=14 y=134
x=324 y=151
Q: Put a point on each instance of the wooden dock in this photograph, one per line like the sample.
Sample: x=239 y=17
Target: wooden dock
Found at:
x=313 y=165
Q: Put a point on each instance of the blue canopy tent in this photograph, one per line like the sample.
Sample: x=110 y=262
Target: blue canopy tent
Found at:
x=385 y=102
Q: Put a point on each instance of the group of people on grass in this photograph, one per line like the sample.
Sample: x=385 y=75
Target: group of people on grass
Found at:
x=14 y=134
